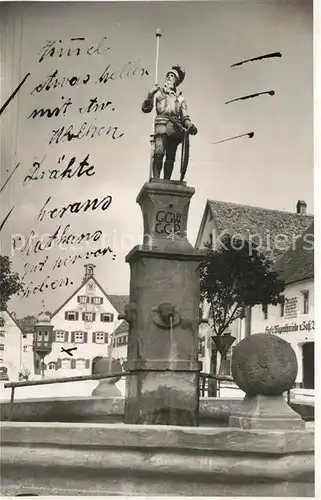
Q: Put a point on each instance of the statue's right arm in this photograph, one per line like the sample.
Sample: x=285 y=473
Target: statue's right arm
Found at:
x=148 y=104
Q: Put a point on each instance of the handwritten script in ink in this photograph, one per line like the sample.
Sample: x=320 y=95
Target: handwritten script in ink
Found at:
x=70 y=116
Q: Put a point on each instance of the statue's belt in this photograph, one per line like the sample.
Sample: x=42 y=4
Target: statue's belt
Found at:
x=163 y=120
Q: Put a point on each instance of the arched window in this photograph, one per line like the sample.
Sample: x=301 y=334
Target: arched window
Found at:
x=52 y=365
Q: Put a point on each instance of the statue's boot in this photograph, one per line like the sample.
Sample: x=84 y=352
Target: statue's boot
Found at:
x=157 y=166
x=168 y=169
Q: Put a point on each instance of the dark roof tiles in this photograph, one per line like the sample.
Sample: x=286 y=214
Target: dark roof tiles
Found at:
x=297 y=264
x=274 y=229
x=122 y=327
x=119 y=302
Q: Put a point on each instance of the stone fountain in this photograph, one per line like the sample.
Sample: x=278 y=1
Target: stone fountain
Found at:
x=266 y=450
x=162 y=447
x=163 y=312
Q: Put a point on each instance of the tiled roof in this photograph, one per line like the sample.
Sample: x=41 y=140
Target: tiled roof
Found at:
x=27 y=324
x=297 y=264
x=267 y=224
x=122 y=328
x=119 y=302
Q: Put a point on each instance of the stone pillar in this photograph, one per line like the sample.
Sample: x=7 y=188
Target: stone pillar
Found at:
x=163 y=312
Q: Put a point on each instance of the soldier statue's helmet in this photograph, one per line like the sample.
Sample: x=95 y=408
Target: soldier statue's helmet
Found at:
x=178 y=72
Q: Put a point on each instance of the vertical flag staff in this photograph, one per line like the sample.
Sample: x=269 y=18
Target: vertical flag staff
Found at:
x=152 y=136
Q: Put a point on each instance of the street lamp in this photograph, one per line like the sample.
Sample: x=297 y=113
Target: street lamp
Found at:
x=43 y=338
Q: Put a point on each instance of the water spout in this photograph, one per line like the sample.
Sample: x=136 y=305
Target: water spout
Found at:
x=173 y=343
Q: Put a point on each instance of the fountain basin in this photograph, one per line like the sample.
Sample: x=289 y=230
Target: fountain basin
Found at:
x=213 y=411
x=120 y=459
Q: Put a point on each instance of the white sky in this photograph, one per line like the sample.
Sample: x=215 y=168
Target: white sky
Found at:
x=273 y=170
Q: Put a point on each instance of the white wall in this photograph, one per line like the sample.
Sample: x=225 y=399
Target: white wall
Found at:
x=303 y=323
x=11 y=340
x=27 y=355
x=208 y=230
x=120 y=351
x=87 y=350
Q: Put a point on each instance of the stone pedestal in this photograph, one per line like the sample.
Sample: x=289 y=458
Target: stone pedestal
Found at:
x=106 y=387
x=163 y=312
x=265 y=366
x=266 y=412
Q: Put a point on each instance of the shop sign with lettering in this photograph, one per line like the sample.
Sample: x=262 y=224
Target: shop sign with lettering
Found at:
x=293 y=327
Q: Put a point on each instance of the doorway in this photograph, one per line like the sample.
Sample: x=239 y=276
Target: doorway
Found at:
x=308 y=365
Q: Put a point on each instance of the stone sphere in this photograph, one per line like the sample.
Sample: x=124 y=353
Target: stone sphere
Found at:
x=264 y=364
x=103 y=365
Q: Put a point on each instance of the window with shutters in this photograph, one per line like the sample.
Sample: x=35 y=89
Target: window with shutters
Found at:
x=61 y=336
x=79 y=337
x=96 y=300
x=65 y=363
x=88 y=316
x=82 y=299
x=107 y=317
x=25 y=348
x=71 y=315
x=81 y=364
x=100 y=337
x=1 y=347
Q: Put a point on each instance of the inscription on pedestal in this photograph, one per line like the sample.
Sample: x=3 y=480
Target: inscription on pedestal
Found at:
x=168 y=223
x=165 y=208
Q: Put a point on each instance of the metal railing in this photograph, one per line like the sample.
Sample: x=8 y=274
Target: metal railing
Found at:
x=203 y=377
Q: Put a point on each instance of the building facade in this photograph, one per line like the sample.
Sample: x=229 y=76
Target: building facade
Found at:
x=276 y=233
x=11 y=349
x=120 y=342
x=294 y=320
x=84 y=323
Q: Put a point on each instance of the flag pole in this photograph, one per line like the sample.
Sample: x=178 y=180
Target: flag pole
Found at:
x=152 y=137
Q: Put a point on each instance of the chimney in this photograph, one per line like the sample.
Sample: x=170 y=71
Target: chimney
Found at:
x=301 y=207
x=13 y=315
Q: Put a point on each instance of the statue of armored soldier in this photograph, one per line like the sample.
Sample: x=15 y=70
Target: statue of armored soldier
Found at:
x=172 y=124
